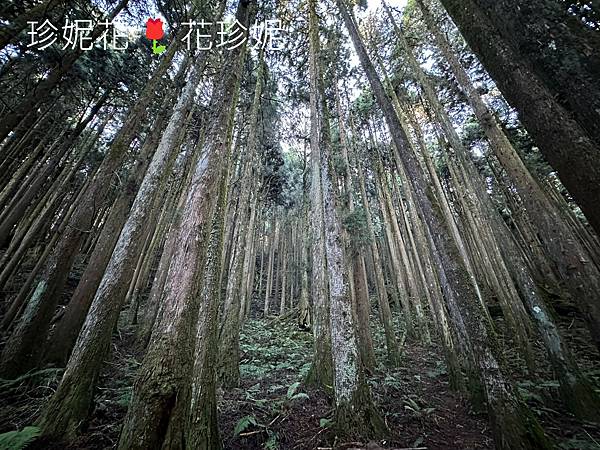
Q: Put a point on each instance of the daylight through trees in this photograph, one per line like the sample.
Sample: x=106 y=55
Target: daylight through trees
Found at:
x=302 y=224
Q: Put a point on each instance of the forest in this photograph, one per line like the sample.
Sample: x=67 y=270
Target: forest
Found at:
x=300 y=224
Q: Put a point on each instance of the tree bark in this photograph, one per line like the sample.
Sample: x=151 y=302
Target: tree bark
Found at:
x=514 y=425
x=563 y=248
x=24 y=339
x=321 y=372
x=560 y=138
x=74 y=394
x=159 y=409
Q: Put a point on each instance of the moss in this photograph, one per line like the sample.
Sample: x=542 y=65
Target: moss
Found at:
x=67 y=412
x=476 y=390
x=204 y=432
x=320 y=375
x=581 y=399
x=359 y=417
x=515 y=428
x=455 y=376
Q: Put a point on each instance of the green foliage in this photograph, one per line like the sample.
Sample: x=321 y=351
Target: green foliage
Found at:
x=275 y=387
x=17 y=440
x=440 y=369
x=274 y=351
x=392 y=382
x=251 y=370
x=305 y=369
x=284 y=365
x=355 y=223
x=244 y=423
x=292 y=395
x=532 y=391
x=270 y=351
x=292 y=389
x=272 y=443
x=472 y=132
x=325 y=423
x=418 y=442
x=528 y=395
x=364 y=103
x=124 y=399
x=339 y=165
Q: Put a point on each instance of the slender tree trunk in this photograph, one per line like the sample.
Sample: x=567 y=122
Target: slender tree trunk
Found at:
x=271 y=266
x=321 y=372
x=304 y=316
x=65 y=334
x=358 y=280
x=74 y=394
x=354 y=409
x=18 y=355
x=514 y=425
x=564 y=249
x=284 y=275
x=228 y=361
x=384 y=305
x=159 y=408
x=398 y=270
x=561 y=140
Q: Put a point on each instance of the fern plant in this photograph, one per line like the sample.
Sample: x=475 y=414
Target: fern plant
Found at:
x=292 y=395
x=18 y=440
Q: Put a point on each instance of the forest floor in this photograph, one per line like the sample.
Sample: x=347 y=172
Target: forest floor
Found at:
x=271 y=409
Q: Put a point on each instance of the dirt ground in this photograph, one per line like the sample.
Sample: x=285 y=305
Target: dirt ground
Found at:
x=271 y=409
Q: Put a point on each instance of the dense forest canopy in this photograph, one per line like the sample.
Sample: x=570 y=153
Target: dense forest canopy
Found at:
x=299 y=224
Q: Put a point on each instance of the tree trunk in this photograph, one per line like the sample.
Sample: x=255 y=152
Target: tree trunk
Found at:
x=228 y=361
x=24 y=339
x=65 y=334
x=564 y=249
x=321 y=372
x=514 y=425
x=74 y=395
x=271 y=267
x=384 y=305
x=561 y=140
x=159 y=408
x=566 y=60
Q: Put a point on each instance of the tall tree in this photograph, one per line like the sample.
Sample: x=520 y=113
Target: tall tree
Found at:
x=354 y=409
x=564 y=143
x=160 y=407
x=513 y=423
x=23 y=352
x=322 y=369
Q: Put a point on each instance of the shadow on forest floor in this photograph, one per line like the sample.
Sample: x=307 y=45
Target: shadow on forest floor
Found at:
x=271 y=409
x=264 y=413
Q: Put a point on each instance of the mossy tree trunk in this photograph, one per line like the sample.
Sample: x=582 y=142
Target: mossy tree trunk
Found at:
x=513 y=424
x=228 y=360
x=393 y=350
x=74 y=395
x=63 y=338
x=23 y=352
x=571 y=261
x=159 y=414
x=564 y=143
x=321 y=372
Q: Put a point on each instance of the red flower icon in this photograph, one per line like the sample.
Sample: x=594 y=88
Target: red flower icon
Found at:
x=154 y=29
